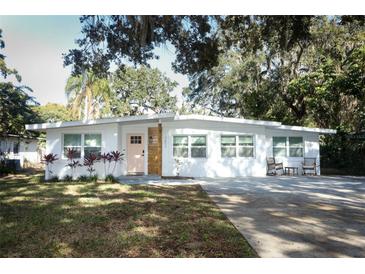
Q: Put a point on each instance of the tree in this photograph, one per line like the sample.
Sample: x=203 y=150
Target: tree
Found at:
x=52 y=112
x=118 y=39
x=313 y=80
x=141 y=90
x=87 y=95
x=196 y=39
x=278 y=54
x=15 y=102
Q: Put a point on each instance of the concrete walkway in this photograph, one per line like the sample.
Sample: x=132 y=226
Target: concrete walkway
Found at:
x=154 y=180
x=295 y=216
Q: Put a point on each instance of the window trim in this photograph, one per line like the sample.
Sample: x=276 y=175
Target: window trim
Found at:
x=173 y=145
x=189 y=146
x=206 y=145
x=230 y=146
x=82 y=154
x=253 y=145
x=237 y=145
x=302 y=147
x=287 y=146
x=83 y=144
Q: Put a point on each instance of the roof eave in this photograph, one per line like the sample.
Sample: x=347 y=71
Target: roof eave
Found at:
x=229 y=120
x=308 y=129
x=147 y=117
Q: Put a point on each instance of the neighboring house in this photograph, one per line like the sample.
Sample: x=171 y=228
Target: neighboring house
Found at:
x=26 y=150
x=206 y=146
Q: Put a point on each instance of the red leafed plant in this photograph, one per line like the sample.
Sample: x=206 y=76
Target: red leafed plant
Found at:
x=116 y=157
x=106 y=158
x=73 y=164
x=48 y=160
x=89 y=162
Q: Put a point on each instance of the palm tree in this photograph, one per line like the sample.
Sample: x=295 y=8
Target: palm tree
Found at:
x=86 y=95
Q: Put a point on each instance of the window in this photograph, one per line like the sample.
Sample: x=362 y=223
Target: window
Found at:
x=198 y=147
x=295 y=146
x=241 y=146
x=279 y=146
x=16 y=147
x=180 y=146
x=84 y=144
x=228 y=146
x=92 y=144
x=72 y=141
x=136 y=139
x=245 y=146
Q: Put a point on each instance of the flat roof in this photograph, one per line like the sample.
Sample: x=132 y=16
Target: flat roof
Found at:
x=173 y=117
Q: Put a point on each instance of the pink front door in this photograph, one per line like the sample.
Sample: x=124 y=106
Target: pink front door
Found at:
x=135 y=150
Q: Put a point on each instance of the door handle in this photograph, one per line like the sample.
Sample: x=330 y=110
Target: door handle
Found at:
x=142 y=152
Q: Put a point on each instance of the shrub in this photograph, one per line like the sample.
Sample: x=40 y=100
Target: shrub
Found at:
x=89 y=162
x=116 y=157
x=93 y=178
x=83 y=178
x=53 y=179
x=88 y=179
x=73 y=164
x=106 y=158
x=5 y=170
x=49 y=159
x=67 y=178
x=111 y=179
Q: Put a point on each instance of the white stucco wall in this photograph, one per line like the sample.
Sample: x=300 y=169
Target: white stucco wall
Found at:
x=216 y=166
x=114 y=137
x=213 y=165
x=54 y=144
x=311 y=147
x=28 y=152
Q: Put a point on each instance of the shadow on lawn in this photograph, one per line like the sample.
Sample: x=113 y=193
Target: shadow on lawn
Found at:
x=112 y=220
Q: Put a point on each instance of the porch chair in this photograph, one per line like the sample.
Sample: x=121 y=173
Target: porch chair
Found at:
x=309 y=166
x=273 y=166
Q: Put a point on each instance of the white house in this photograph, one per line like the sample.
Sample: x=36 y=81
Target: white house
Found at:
x=191 y=145
x=26 y=150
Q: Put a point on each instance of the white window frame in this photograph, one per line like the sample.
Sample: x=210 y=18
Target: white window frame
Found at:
x=287 y=146
x=180 y=157
x=82 y=154
x=253 y=145
x=302 y=147
x=237 y=145
x=189 y=146
x=83 y=143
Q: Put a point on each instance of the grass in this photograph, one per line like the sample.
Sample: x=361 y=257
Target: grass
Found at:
x=97 y=219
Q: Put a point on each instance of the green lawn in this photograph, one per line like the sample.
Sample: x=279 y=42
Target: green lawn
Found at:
x=112 y=220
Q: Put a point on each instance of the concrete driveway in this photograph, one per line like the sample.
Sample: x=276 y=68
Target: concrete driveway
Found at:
x=295 y=216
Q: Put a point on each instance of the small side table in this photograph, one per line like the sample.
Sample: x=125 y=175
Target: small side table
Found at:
x=291 y=169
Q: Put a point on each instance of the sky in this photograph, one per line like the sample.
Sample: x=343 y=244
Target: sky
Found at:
x=34 y=46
